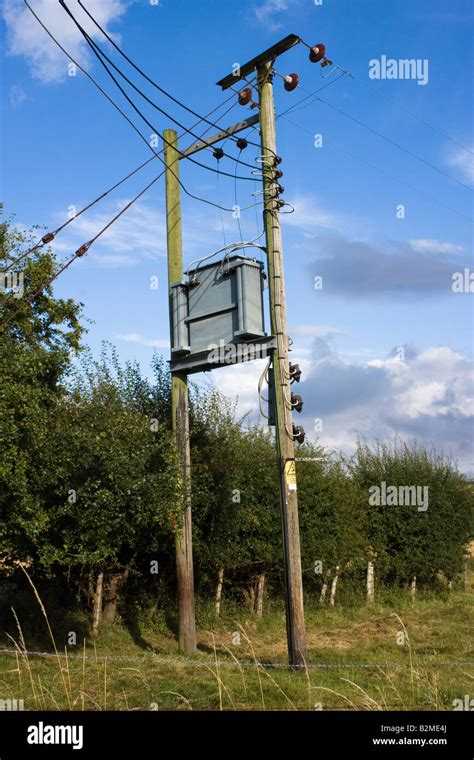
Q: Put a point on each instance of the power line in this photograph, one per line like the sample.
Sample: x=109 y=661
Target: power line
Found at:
x=40 y=290
x=310 y=95
x=99 y=53
x=398 y=105
x=383 y=171
x=148 y=79
x=403 y=108
x=117 y=107
x=51 y=235
x=397 y=145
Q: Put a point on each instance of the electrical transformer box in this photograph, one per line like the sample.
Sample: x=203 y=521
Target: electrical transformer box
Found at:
x=217 y=315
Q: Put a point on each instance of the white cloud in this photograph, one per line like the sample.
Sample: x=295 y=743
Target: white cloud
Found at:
x=140 y=340
x=139 y=233
x=268 y=12
x=313 y=331
x=427 y=397
x=434 y=246
x=17 y=95
x=464 y=161
x=309 y=216
x=25 y=36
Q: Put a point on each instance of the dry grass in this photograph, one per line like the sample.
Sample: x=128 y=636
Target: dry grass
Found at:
x=115 y=673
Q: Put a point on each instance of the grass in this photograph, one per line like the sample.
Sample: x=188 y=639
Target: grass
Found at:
x=356 y=662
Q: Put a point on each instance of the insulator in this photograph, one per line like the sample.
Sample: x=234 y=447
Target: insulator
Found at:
x=295 y=372
x=83 y=249
x=298 y=433
x=241 y=143
x=296 y=402
x=291 y=82
x=317 y=52
x=280 y=189
x=280 y=203
x=245 y=96
x=48 y=237
x=278 y=174
x=218 y=153
x=277 y=160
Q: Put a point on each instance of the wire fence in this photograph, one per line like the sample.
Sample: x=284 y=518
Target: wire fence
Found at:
x=195 y=662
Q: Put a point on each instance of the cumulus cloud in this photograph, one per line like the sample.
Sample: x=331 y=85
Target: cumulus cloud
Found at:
x=463 y=160
x=425 y=396
x=140 y=233
x=356 y=268
x=434 y=246
x=25 y=36
x=310 y=216
x=268 y=13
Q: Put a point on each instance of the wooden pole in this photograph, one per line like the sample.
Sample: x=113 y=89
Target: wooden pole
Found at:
x=97 y=608
x=370 y=582
x=180 y=408
x=332 y=598
x=260 y=593
x=295 y=625
x=220 y=583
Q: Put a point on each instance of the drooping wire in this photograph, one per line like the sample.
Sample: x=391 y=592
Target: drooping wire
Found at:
x=237 y=207
x=218 y=189
x=97 y=85
x=51 y=235
x=230 y=246
x=145 y=76
x=83 y=249
x=99 y=53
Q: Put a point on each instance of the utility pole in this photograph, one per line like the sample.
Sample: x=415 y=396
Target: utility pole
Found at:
x=295 y=624
x=262 y=64
x=180 y=407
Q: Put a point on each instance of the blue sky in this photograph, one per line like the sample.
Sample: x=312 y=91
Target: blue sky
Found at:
x=386 y=280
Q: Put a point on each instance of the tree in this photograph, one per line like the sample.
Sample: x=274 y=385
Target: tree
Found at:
x=37 y=343
x=332 y=517
x=113 y=488
x=418 y=539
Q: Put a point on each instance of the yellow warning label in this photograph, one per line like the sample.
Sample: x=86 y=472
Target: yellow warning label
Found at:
x=290 y=474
